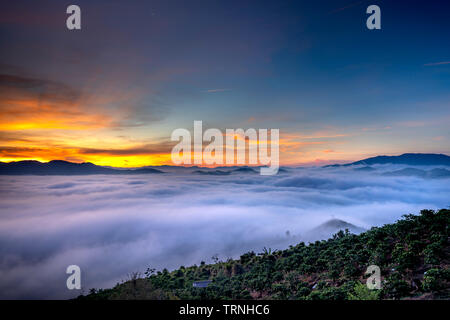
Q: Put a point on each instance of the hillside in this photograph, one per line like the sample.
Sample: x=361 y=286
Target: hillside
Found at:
x=329 y=228
x=413 y=255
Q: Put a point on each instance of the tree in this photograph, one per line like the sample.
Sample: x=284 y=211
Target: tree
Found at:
x=361 y=292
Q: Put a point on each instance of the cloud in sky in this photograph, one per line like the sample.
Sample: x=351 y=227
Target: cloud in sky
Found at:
x=27 y=103
x=217 y=90
x=113 y=225
x=436 y=63
x=44 y=119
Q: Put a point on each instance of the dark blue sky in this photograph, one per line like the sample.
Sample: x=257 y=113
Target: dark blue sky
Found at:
x=139 y=69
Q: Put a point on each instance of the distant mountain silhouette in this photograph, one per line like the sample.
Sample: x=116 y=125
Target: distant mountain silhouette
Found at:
x=366 y=168
x=438 y=173
x=412 y=159
x=212 y=172
x=409 y=172
x=60 y=167
x=245 y=170
x=413 y=172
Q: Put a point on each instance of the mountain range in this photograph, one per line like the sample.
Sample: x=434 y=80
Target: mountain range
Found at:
x=61 y=167
x=412 y=159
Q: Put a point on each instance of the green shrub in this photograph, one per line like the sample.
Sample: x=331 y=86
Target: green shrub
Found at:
x=395 y=287
x=435 y=279
x=362 y=292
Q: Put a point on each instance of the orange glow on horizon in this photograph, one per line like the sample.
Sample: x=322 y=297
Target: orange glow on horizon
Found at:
x=36 y=128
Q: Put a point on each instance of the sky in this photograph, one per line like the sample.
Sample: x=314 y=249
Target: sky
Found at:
x=113 y=92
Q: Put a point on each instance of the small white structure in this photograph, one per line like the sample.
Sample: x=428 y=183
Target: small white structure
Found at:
x=201 y=284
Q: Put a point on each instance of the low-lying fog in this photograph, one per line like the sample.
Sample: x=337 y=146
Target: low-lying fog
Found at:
x=113 y=225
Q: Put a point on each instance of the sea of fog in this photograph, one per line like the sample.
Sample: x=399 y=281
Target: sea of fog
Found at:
x=112 y=225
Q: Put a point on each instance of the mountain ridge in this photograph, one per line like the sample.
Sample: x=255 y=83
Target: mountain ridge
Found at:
x=62 y=167
x=413 y=159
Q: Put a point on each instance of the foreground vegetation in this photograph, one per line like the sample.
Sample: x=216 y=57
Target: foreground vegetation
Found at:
x=413 y=255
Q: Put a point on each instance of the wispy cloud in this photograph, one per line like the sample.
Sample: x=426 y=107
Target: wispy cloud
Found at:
x=43 y=119
x=147 y=149
x=32 y=103
x=216 y=90
x=436 y=63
